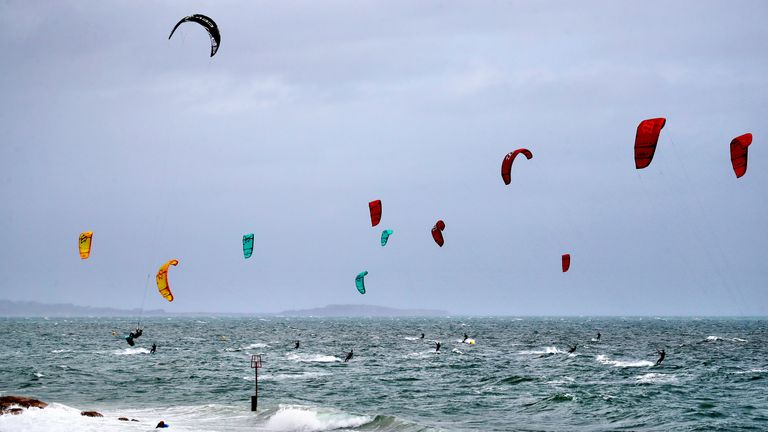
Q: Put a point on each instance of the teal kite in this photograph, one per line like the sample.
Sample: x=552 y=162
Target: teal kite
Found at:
x=385 y=236
x=360 y=282
x=248 y=245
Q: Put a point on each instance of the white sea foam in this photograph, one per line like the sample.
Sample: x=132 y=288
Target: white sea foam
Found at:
x=411 y=338
x=255 y=345
x=545 y=350
x=713 y=338
x=59 y=351
x=289 y=377
x=419 y=354
x=623 y=363
x=739 y=340
x=655 y=378
x=296 y=418
x=751 y=371
x=131 y=351
x=311 y=358
x=61 y=418
x=565 y=380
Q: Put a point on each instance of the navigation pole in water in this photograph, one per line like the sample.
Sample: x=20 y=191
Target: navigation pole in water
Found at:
x=256 y=365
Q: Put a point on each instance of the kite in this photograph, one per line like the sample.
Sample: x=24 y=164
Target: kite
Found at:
x=375 y=207
x=385 y=236
x=248 y=245
x=506 y=165
x=645 y=142
x=437 y=232
x=85 y=244
x=739 y=147
x=566 y=262
x=209 y=25
x=162 y=280
x=360 y=281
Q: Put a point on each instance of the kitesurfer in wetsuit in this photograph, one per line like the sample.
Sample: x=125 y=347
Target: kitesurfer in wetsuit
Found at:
x=572 y=349
x=662 y=354
x=422 y=335
x=297 y=345
x=154 y=349
x=349 y=356
x=598 y=335
x=437 y=346
x=465 y=338
x=129 y=339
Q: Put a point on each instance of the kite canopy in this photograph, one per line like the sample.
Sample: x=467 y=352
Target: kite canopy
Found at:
x=162 y=280
x=375 y=208
x=385 y=236
x=506 y=164
x=437 y=232
x=645 y=142
x=85 y=244
x=360 y=281
x=739 y=147
x=566 y=262
x=209 y=25
x=248 y=245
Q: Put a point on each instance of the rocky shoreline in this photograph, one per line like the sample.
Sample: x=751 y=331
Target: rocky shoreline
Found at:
x=15 y=405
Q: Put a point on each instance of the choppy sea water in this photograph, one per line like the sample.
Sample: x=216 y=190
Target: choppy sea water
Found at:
x=517 y=377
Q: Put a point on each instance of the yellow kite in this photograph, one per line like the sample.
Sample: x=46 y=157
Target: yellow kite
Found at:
x=162 y=280
x=85 y=244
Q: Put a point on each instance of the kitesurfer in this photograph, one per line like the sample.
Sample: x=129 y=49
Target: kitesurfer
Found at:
x=161 y=425
x=129 y=339
x=661 y=354
x=598 y=335
x=465 y=338
x=437 y=346
x=572 y=349
x=154 y=349
x=297 y=345
x=422 y=335
x=349 y=356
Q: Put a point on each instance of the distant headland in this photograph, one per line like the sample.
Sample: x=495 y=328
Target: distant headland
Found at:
x=34 y=309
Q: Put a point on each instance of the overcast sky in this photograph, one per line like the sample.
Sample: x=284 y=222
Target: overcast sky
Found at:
x=312 y=109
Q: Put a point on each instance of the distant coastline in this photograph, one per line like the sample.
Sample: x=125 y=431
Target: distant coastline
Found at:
x=14 y=309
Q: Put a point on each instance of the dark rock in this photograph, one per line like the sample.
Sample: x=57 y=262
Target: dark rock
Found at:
x=122 y=418
x=91 y=414
x=15 y=411
x=134 y=420
x=6 y=402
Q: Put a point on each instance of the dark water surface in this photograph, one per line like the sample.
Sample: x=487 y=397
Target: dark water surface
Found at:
x=518 y=376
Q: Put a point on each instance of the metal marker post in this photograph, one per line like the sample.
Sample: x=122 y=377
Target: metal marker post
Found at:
x=256 y=365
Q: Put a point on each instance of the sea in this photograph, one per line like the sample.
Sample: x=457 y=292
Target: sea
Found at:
x=517 y=376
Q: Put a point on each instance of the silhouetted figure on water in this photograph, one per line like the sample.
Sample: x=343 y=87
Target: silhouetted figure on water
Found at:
x=572 y=349
x=437 y=346
x=422 y=335
x=661 y=354
x=154 y=349
x=349 y=356
x=465 y=338
x=297 y=345
x=598 y=335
